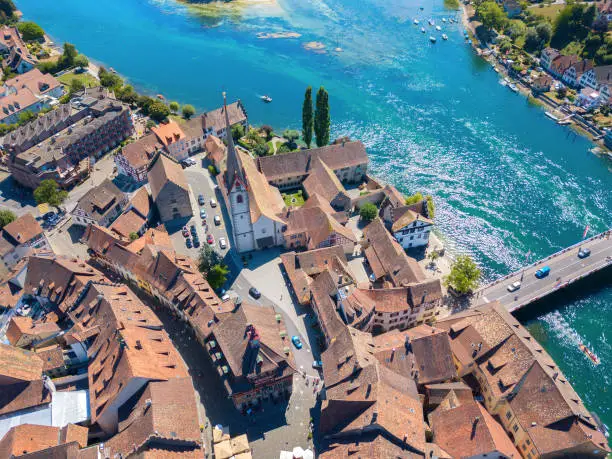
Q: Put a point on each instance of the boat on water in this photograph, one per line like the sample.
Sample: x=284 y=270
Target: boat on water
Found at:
x=551 y=116
x=590 y=354
x=443 y=19
x=267 y=99
x=444 y=36
x=421 y=8
x=432 y=39
x=503 y=82
x=416 y=21
x=112 y=70
x=495 y=69
x=431 y=22
x=513 y=87
x=438 y=27
x=422 y=29
x=451 y=20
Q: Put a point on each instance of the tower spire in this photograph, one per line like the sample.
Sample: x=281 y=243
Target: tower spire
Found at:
x=234 y=169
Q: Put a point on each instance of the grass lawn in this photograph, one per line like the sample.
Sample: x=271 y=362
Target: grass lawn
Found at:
x=88 y=80
x=602 y=120
x=294 y=199
x=548 y=11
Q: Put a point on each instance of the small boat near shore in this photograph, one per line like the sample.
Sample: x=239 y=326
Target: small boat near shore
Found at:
x=513 y=87
x=495 y=69
x=416 y=21
x=443 y=19
x=551 y=116
x=431 y=22
x=438 y=27
x=432 y=39
x=444 y=36
x=590 y=354
x=422 y=29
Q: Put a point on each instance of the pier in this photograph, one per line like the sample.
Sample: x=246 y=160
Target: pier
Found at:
x=565 y=268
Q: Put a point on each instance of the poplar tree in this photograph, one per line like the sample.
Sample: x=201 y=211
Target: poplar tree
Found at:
x=321 y=118
x=307 y=117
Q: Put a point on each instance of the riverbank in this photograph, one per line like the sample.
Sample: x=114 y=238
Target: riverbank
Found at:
x=579 y=126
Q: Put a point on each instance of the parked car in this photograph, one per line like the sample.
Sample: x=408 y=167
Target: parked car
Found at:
x=297 y=342
x=193 y=230
x=225 y=297
x=203 y=214
x=255 y=293
x=213 y=203
x=583 y=253
x=201 y=199
x=217 y=220
x=196 y=242
x=317 y=364
x=185 y=231
x=210 y=239
x=222 y=243
x=188 y=243
x=542 y=272
x=513 y=287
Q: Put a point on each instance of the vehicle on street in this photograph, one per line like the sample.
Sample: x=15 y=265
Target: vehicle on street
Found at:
x=196 y=242
x=210 y=239
x=255 y=293
x=238 y=300
x=202 y=213
x=185 y=231
x=213 y=203
x=201 y=199
x=297 y=342
x=542 y=272
x=225 y=297
x=513 y=287
x=222 y=243
x=187 y=162
x=317 y=364
x=217 y=220
x=583 y=253
x=188 y=243
x=193 y=230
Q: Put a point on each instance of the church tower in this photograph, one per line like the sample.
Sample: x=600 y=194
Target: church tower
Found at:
x=237 y=189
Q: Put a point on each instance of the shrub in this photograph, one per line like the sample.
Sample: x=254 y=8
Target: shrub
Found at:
x=368 y=211
x=188 y=111
x=213 y=170
x=30 y=31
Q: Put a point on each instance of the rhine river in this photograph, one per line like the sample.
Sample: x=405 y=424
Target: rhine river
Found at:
x=506 y=180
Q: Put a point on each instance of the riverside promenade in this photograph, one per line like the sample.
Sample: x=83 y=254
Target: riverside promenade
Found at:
x=565 y=268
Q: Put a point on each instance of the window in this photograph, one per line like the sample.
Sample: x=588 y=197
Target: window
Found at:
x=508 y=415
x=239 y=199
x=515 y=428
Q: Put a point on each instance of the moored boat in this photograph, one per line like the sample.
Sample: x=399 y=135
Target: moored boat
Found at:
x=438 y=27
x=444 y=36
x=267 y=99
x=422 y=29
x=432 y=39
x=513 y=87
x=416 y=21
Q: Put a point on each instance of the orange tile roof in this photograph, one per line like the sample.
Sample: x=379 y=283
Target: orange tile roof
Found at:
x=23 y=229
x=165 y=170
x=17 y=365
x=36 y=81
x=168 y=133
x=127 y=223
x=27 y=438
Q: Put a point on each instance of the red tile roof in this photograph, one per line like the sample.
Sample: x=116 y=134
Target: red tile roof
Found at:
x=23 y=229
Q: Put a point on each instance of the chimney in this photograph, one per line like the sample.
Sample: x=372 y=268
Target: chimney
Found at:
x=474 y=425
x=138 y=344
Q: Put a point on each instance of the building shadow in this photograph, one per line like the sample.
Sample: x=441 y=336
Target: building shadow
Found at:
x=76 y=233
x=11 y=190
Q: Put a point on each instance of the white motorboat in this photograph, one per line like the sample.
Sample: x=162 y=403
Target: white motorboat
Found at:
x=416 y=21
x=267 y=99
x=444 y=36
x=432 y=39
x=438 y=27
x=422 y=29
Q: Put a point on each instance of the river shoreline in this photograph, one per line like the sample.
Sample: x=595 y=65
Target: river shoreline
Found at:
x=471 y=24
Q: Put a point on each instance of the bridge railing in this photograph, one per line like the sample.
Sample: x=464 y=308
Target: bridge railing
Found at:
x=538 y=262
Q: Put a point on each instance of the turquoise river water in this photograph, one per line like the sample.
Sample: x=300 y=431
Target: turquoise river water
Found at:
x=506 y=180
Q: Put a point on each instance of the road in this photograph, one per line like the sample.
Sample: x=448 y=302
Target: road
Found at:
x=565 y=268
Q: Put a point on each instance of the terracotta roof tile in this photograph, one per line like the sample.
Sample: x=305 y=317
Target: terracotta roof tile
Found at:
x=138 y=154
x=23 y=229
x=26 y=438
x=165 y=170
x=127 y=223
x=168 y=133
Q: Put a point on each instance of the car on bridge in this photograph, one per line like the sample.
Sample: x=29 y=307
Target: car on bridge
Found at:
x=513 y=287
x=542 y=272
x=583 y=253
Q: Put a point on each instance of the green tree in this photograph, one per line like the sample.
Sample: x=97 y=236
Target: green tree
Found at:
x=321 y=118
x=516 y=29
x=150 y=124
x=431 y=208
x=253 y=137
x=67 y=58
x=76 y=85
x=413 y=199
x=207 y=258
x=25 y=116
x=133 y=236
x=368 y=211
x=307 y=117
x=30 y=31
x=572 y=24
x=464 y=275
x=544 y=31
x=433 y=256
x=7 y=8
x=262 y=149
x=110 y=80
x=188 y=111
x=48 y=192
x=217 y=276
x=291 y=135
x=237 y=132
x=267 y=130
x=6 y=217
x=491 y=15
x=81 y=61
x=158 y=110
x=127 y=94
x=532 y=40
x=174 y=106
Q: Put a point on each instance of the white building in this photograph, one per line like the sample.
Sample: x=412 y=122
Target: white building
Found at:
x=412 y=230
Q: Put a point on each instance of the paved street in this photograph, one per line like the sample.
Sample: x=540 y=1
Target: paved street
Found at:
x=565 y=268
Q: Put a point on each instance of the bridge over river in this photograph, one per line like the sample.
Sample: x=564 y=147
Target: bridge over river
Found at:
x=565 y=268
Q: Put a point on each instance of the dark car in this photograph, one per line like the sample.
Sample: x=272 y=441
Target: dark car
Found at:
x=255 y=293
x=188 y=243
x=196 y=242
x=201 y=200
x=583 y=253
x=193 y=230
